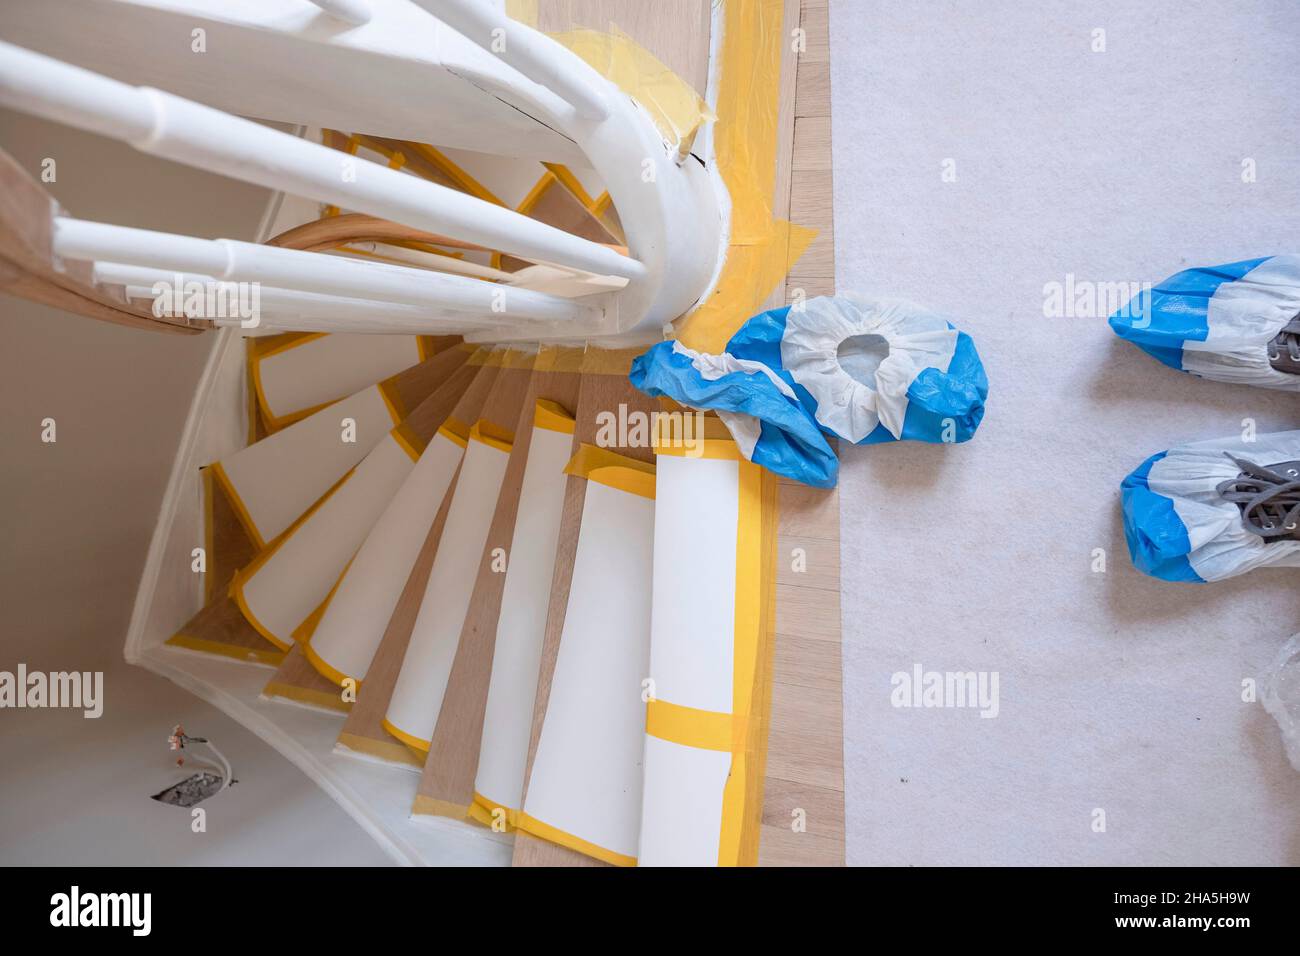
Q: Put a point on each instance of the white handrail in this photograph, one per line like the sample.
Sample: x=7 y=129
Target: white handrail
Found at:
x=355 y=12
x=234 y=261
x=533 y=54
x=178 y=129
x=279 y=305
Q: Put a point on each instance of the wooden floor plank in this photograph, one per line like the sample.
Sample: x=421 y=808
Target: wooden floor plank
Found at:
x=803 y=800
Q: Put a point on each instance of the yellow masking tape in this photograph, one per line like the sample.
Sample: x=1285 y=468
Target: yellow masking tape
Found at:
x=241 y=510
x=322 y=667
x=504 y=358
x=209 y=533
x=239 y=580
x=598 y=361
x=388 y=391
x=674 y=106
x=272 y=421
x=306 y=695
x=250 y=390
x=552 y=358
x=303 y=632
x=455 y=430
x=424 y=805
x=718 y=449
x=415 y=743
x=487 y=812
x=703 y=729
x=565 y=177
x=761 y=249
x=555 y=835
x=463 y=179
x=553 y=417
x=525 y=11
x=535 y=194
x=271 y=655
x=742 y=796
x=613 y=470
x=383 y=749
x=411 y=442
x=492 y=435
x=685 y=433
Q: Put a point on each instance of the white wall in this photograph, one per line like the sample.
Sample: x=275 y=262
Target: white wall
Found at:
x=75 y=521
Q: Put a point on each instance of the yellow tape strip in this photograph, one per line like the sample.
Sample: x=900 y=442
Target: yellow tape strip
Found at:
x=552 y=358
x=272 y=421
x=525 y=11
x=553 y=417
x=303 y=632
x=433 y=807
x=250 y=390
x=271 y=655
x=742 y=796
x=484 y=811
x=332 y=674
x=687 y=434
x=415 y=743
x=209 y=533
x=691 y=727
x=504 y=358
x=555 y=835
x=455 y=430
x=714 y=448
x=388 y=392
x=241 y=509
x=410 y=441
x=674 y=106
x=609 y=361
x=244 y=576
x=547 y=180
x=459 y=176
x=383 y=749
x=570 y=182
x=613 y=470
x=492 y=435
x=306 y=695
x=761 y=249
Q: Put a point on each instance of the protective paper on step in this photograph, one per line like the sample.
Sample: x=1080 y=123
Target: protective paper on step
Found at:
x=272 y=482
x=354 y=621
x=521 y=626
x=314 y=370
x=286 y=584
x=417 y=696
x=1217 y=321
x=584 y=791
x=1179 y=527
x=703 y=740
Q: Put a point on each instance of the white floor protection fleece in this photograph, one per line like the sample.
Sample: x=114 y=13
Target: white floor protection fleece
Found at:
x=1120 y=734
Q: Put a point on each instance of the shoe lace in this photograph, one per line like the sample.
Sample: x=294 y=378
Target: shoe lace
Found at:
x=1269 y=502
x=1288 y=338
